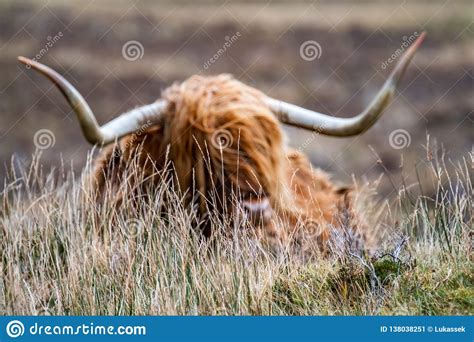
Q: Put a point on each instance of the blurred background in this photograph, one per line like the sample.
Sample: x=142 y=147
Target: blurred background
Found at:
x=329 y=56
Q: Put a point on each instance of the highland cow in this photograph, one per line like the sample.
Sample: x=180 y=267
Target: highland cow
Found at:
x=222 y=137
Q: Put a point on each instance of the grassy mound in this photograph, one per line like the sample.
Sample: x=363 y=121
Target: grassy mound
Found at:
x=62 y=255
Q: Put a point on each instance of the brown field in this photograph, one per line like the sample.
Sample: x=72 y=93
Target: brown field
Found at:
x=179 y=37
x=62 y=255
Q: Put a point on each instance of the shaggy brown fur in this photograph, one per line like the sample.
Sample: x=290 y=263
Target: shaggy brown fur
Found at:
x=223 y=141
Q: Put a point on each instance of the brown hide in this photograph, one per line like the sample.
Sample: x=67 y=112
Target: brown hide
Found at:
x=221 y=138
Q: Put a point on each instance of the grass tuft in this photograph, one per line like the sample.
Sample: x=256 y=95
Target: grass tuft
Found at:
x=60 y=254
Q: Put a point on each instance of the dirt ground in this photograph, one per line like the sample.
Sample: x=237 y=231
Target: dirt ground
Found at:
x=86 y=40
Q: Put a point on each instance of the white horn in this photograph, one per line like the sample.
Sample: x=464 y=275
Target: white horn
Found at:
x=325 y=124
x=127 y=123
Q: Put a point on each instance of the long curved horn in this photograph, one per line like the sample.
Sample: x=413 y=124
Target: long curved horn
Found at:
x=127 y=123
x=325 y=124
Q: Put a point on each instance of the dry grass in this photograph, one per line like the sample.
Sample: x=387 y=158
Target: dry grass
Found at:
x=62 y=255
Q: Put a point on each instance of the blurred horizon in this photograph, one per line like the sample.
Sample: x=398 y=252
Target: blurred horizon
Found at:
x=120 y=55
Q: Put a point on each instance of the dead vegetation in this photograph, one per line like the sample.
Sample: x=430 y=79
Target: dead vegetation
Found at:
x=63 y=255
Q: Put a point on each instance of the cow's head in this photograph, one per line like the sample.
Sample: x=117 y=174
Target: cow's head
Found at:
x=223 y=136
